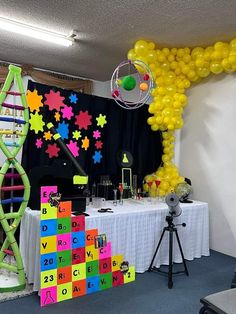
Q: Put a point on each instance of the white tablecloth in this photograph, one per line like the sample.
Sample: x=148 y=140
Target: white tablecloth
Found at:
x=134 y=230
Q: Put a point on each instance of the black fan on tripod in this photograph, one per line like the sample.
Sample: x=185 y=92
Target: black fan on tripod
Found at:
x=175 y=210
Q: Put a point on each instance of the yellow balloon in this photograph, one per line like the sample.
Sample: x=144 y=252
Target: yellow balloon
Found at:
x=141 y=47
x=131 y=54
x=216 y=67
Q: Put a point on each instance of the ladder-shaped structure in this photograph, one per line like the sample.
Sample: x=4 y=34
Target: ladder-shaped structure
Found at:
x=12 y=171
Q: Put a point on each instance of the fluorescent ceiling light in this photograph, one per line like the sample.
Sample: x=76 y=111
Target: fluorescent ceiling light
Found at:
x=33 y=32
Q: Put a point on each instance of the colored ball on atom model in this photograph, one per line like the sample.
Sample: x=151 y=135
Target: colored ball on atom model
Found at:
x=143 y=87
x=146 y=77
x=128 y=82
x=115 y=93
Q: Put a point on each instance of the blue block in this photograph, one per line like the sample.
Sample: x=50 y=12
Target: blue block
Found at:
x=78 y=239
x=48 y=227
x=48 y=261
x=92 y=284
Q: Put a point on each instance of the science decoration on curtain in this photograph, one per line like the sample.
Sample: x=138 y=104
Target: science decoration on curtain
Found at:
x=79 y=129
x=174 y=70
x=74 y=261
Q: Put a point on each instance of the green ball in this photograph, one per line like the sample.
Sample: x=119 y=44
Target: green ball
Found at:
x=128 y=82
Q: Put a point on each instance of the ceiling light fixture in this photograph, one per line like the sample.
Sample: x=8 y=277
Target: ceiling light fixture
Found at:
x=36 y=33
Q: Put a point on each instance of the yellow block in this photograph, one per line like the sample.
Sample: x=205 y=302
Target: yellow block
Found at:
x=78 y=271
x=64 y=291
x=48 y=211
x=48 y=278
x=91 y=253
x=48 y=244
x=116 y=261
x=82 y=180
x=130 y=275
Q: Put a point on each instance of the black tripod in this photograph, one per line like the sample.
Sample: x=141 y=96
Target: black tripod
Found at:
x=171 y=228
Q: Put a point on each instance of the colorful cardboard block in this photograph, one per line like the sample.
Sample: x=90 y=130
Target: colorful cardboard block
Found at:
x=63 y=258
x=64 y=242
x=64 y=291
x=105 y=252
x=90 y=235
x=117 y=278
x=78 y=239
x=48 y=211
x=48 y=244
x=78 y=223
x=45 y=192
x=91 y=253
x=78 y=288
x=116 y=261
x=48 y=227
x=74 y=261
x=130 y=275
x=92 y=284
x=48 y=278
x=92 y=268
x=64 y=209
x=105 y=265
x=63 y=225
x=48 y=261
x=48 y=296
x=78 y=255
x=64 y=275
x=78 y=272
x=105 y=281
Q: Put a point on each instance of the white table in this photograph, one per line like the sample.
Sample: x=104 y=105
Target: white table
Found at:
x=134 y=230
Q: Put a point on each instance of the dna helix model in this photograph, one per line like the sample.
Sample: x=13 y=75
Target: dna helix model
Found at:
x=12 y=207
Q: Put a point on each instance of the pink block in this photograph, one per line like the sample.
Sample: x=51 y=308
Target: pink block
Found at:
x=64 y=242
x=45 y=191
x=105 y=252
x=48 y=296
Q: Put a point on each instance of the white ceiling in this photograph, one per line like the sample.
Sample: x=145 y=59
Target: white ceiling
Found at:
x=109 y=28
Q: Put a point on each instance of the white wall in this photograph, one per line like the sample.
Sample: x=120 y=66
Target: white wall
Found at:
x=208 y=155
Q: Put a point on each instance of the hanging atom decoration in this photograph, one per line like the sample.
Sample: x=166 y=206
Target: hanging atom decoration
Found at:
x=140 y=80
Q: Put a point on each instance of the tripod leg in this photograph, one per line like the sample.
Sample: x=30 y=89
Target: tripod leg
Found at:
x=159 y=243
x=181 y=251
x=170 y=282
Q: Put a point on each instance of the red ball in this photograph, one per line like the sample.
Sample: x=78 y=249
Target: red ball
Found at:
x=146 y=77
x=115 y=93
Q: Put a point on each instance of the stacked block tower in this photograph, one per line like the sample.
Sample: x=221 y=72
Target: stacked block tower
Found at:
x=74 y=261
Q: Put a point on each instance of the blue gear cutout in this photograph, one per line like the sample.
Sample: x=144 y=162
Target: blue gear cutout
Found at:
x=63 y=130
x=97 y=157
x=73 y=98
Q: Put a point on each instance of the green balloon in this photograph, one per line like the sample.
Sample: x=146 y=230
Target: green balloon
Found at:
x=128 y=82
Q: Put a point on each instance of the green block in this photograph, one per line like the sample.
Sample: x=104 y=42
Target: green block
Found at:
x=105 y=281
x=63 y=225
x=92 y=268
x=63 y=259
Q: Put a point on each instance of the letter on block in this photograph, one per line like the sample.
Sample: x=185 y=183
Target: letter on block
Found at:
x=45 y=192
x=48 y=244
x=78 y=272
x=79 y=288
x=64 y=291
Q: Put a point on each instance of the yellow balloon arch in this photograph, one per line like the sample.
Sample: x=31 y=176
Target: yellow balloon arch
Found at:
x=174 y=71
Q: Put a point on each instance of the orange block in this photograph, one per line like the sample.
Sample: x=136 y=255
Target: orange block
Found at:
x=90 y=235
x=78 y=288
x=64 y=275
x=64 y=209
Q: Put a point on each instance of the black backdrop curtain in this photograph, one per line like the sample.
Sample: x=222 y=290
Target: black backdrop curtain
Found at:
x=125 y=130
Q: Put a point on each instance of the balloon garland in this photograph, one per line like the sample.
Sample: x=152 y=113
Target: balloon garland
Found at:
x=174 y=71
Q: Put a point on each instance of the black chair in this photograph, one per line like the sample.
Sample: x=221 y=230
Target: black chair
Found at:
x=223 y=302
